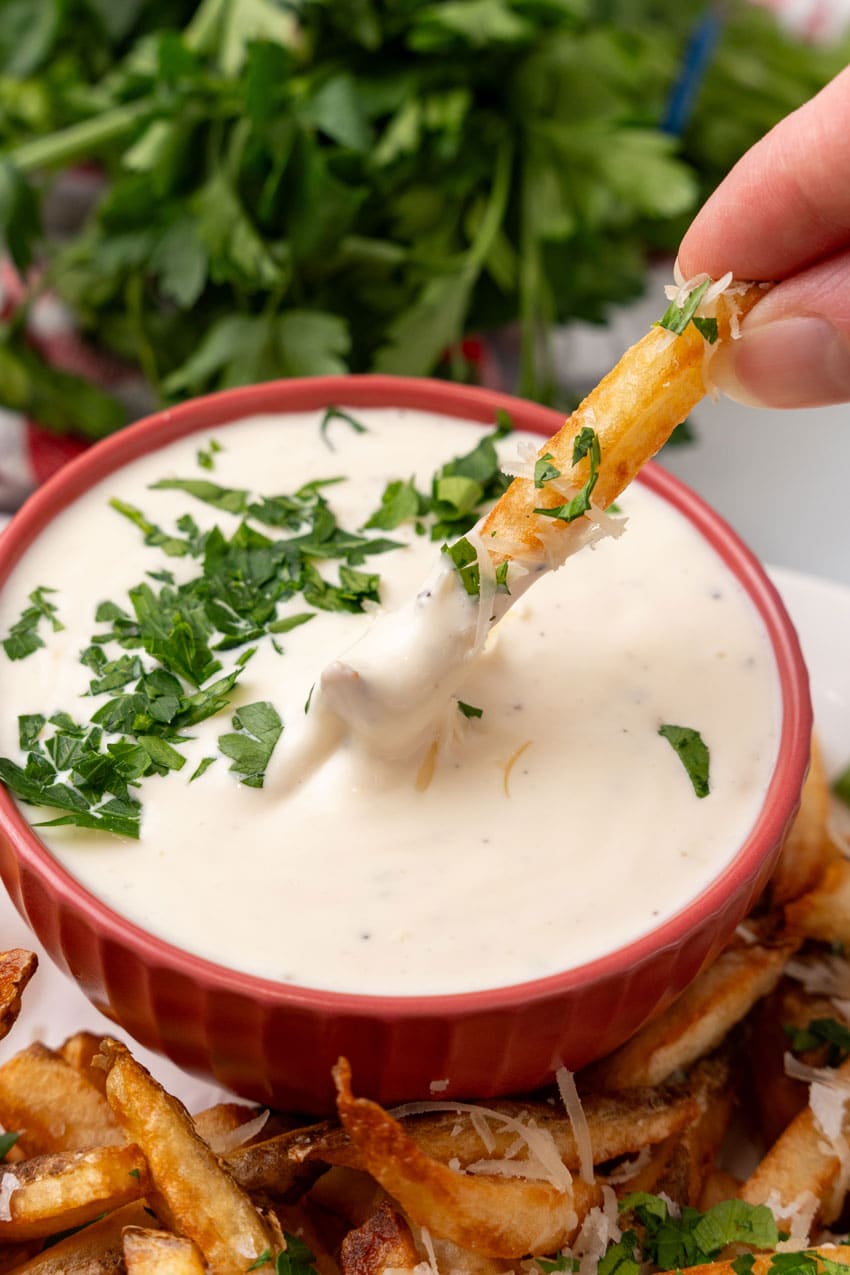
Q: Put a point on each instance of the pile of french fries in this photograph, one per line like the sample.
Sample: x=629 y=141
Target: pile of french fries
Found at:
x=110 y=1173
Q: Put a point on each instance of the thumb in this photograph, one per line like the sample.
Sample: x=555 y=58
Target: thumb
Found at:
x=794 y=348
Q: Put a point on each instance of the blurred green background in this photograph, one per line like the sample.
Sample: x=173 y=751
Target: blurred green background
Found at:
x=355 y=185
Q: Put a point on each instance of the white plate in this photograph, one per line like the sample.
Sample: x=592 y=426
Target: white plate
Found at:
x=54 y=1007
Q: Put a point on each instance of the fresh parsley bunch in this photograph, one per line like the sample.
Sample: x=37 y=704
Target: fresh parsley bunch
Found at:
x=321 y=186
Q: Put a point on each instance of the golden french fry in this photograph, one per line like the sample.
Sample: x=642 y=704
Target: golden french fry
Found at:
x=304 y=1224
x=633 y=411
x=280 y=1168
x=348 y=1194
x=148 y=1252
x=802 y=1159
x=617 y=1126
x=806 y=851
x=16 y=969
x=506 y=1217
x=51 y=1193
x=762 y=1265
x=382 y=1243
x=824 y=912
x=53 y=1105
x=13 y=1257
x=79 y=1051
x=699 y=1019
x=97 y=1249
x=695 y=1149
x=190 y=1189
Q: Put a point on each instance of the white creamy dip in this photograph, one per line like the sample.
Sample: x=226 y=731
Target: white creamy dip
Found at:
x=554 y=828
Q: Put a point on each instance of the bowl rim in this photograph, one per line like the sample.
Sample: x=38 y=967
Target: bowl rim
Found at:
x=479 y=406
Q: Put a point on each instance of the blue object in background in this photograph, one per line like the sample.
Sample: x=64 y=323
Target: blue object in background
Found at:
x=698 y=55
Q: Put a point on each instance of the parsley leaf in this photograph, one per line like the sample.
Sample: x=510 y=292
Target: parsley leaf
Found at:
x=676 y=318
x=257 y=728
x=544 y=471
x=820 y=1032
x=297 y=1259
x=586 y=444
x=337 y=414
x=841 y=786
x=399 y=503
x=469 y=710
x=7 y=1141
x=706 y=327
x=695 y=1238
x=229 y=499
x=465 y=560
x=692 y=752
x=23 y=637
x=205 y=456
x=201 y=768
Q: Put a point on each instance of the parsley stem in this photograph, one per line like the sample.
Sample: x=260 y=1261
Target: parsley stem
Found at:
x=79 y=141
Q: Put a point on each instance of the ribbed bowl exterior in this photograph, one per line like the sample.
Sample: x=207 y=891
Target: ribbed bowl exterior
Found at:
x=275 y=1043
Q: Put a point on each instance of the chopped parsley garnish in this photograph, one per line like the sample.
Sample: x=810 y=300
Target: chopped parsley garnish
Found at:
x=337 y=414
x=469 y=710
x=23 y=637
x=706 y=328
x=400 y=503
x=205 y=456
x=465 y=559
x=841 y=786
x=544 y=470
x=134 y=1173
x=586 y=444
x=692 y=752
x=201 y=768
x=821 y=1032
x=677 y=317
x=229 y=499
x=459 y=491
x=257 y=728
x=7 y=1141
x=297 y=1259
x=694 y=1238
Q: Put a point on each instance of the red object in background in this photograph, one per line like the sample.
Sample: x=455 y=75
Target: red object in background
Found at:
x=275 y=1042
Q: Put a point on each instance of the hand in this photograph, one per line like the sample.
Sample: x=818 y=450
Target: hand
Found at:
x=783 y=213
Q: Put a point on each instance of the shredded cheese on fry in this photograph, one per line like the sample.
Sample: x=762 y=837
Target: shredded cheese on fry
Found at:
x=8 y=1187
x=575 y=1113
x=230 y=1139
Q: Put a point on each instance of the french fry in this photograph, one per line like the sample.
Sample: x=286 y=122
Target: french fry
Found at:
x=148 y=1252
x=498 y=1217
x=801 y=1160
x=52 y=1193
x=698 y=1020
x=53 y=1105
x=719 y=1186
x=16 y=969
x=382 y=1243
x=824 y=912
x=97 y=1249
x=79 y=1051
x=617 y=1126
x=190 y=1189
x=806 y=851
x=633 y=411
x=695 y=1148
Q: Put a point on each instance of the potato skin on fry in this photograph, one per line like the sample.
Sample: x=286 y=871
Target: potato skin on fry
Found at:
x=148 y=1252
x=16 y=969
x=55 y=1192
x=95 y=1250
x=383 y=1242
x=498 y=1217
x=54 y=1106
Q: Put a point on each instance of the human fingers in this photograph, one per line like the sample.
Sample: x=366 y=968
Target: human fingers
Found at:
x=786 y=203
x=794 y=348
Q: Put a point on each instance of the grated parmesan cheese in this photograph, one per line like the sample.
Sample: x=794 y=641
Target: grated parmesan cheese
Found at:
x=544 y=1162
x=230 y=1139
x=578 y=1120
x=8 y=1187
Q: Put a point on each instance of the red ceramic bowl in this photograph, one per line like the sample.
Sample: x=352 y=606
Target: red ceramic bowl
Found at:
x=276 y=1043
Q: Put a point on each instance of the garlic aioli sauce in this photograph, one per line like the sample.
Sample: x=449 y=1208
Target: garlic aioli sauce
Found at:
x=554 y=829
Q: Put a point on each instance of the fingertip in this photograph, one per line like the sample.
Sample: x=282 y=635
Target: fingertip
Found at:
x=785 y=363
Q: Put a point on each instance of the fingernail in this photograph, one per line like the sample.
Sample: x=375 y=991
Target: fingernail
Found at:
x=794 y=362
